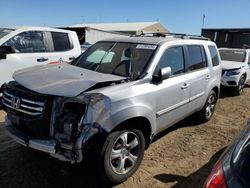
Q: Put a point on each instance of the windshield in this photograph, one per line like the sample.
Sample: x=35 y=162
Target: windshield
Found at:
x=233 y=55
x=4 y=32
x=122 y=59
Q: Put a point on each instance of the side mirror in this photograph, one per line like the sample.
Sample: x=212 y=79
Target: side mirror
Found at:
x=4 y=50
x=163 y=74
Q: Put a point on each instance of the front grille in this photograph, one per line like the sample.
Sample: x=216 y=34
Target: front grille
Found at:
x=23 y=105
x=28 y=111
x=231 y=83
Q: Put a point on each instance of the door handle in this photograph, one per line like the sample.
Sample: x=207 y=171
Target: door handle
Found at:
x=207 y=77
x=71 y=58
x=42 y=59
x=185 y=86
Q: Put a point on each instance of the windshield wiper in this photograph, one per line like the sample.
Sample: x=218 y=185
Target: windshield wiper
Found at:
x=105 y=55
x=130 y=73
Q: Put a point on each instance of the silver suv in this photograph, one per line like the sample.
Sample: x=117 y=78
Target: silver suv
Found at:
x=113 y=100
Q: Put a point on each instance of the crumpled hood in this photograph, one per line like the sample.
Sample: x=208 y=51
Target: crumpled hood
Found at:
x=61 y=79
x=227 y=65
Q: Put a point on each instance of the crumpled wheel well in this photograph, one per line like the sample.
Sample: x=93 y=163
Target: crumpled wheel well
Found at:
x=140 y=123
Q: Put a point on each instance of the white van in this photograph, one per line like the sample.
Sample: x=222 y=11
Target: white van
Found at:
x=29 y=46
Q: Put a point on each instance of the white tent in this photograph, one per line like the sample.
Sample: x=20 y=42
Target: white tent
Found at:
x=128 y=27
x=94 y=35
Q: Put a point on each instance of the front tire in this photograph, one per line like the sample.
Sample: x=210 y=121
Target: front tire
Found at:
x=122 y=154
x=239 y=89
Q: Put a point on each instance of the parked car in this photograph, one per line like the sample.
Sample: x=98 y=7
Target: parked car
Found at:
x=28 y=46
x=235 y=68
x=113 y=100
x=232 y=169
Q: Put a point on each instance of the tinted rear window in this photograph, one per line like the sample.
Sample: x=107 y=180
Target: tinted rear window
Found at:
x=197 y=58
x=61 y=41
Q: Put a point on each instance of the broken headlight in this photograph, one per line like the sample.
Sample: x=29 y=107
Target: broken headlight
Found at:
x=67 y=124
x=233 y=72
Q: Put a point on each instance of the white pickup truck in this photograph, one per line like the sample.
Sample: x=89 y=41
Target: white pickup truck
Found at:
x=29 y=46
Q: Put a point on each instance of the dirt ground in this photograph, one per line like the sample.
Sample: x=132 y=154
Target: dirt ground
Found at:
x=180 y=157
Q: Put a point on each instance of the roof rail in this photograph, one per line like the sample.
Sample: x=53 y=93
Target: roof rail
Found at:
x=176 y=35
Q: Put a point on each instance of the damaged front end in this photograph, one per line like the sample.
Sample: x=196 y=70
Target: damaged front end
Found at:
x=75 y=124
x=65 y=127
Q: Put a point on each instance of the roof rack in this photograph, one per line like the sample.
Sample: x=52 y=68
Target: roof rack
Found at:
x=176 y=35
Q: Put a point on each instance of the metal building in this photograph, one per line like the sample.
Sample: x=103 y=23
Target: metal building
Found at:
x=228 y=37
x=91 y=33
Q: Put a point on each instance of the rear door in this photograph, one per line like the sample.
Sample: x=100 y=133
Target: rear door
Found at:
x=61 y=47
x=31 y=49
x=199 y=75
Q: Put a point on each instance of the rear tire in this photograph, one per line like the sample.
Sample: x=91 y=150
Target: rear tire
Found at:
x=239 y=89
x=122 y=154
x=208 y=110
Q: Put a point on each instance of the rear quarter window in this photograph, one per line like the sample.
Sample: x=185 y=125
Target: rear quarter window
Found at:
x=214 y=55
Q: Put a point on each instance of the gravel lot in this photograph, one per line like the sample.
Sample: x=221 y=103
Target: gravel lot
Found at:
x=182 y=156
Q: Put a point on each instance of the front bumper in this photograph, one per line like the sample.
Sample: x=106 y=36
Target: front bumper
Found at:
x=48 y=146
x=58 y=150
x=230 y=81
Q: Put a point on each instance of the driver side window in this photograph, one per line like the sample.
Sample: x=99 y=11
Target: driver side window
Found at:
x=28 y=42
x=174 y=58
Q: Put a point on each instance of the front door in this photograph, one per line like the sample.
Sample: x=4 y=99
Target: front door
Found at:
x=31 y=49
x=172 y=94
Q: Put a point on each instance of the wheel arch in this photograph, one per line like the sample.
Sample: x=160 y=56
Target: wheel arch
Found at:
x=141 y=123
x=217 y=91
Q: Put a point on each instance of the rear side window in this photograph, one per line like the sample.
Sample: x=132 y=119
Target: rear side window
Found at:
x=61 y=41
x=173 y=57
x=214 y=55
x=197 y=59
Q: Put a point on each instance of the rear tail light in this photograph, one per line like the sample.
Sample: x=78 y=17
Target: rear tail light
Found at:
x=217 y=178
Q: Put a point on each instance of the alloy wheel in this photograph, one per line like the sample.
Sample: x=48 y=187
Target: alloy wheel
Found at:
x=210 y=106
x=125 y=152
x=241 y=85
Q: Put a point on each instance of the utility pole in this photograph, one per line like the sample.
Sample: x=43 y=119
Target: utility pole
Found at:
x=203 y=20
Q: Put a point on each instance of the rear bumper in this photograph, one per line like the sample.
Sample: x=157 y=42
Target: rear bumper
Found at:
x=48 y=146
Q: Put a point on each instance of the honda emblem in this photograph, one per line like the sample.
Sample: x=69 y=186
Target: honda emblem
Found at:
x=15 y=102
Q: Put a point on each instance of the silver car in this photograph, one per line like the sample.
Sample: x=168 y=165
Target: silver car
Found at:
x=113 y=100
